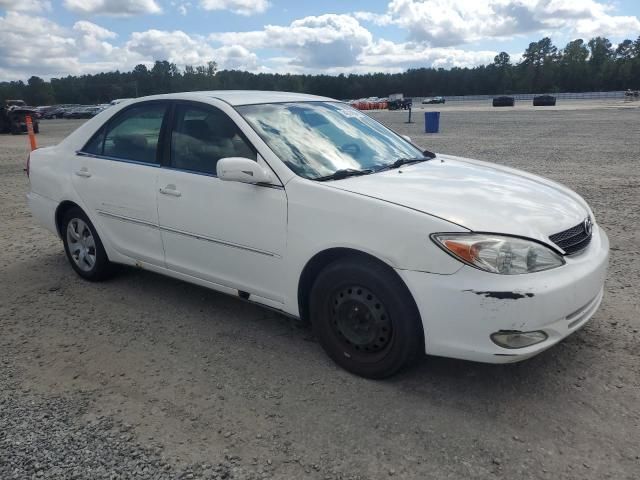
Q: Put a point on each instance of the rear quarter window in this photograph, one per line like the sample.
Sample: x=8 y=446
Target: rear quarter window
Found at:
x=95 y=145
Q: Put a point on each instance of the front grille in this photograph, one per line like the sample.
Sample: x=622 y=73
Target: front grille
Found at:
x=573 y=240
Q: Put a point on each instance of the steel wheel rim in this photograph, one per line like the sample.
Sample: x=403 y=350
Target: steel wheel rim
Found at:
x=360 y=321
x=81 y=244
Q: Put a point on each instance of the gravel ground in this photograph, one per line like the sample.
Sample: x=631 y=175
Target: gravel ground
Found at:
x=148 y=377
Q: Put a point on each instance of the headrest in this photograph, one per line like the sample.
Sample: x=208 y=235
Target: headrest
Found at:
x=198 y=129
x=222 y=126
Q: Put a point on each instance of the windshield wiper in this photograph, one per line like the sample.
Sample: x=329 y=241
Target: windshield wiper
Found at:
x=343 y=173
x=402 y=161
x=426 y=155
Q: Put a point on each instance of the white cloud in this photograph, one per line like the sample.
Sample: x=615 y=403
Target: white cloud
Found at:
x=376 y=18
x=183 y=49
x=235 y=57
x=443 y=23
x=92 y=38
x=34 y=44
x=340 y=44
x=401 y=56
x=172 y=46
x=314 y=42
x=608 y=26
x=92 y=30
x=116 y=8
x=437 y=32
x=37 y=6
x=241 y=7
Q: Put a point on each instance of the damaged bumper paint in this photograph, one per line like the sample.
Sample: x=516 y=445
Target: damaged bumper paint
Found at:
x=461 y=311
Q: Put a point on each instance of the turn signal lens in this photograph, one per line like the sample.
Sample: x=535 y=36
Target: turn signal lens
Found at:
x=499 y=254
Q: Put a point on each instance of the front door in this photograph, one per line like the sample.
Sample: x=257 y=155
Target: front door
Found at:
x=229 y=233
x=116 y=177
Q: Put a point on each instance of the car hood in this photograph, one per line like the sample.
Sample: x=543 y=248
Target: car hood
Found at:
x=479 y=196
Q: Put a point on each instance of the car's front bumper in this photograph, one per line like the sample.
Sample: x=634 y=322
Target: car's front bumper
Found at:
x=460 y=311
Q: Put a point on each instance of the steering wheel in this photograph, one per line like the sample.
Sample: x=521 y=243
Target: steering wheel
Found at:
x=352 y=149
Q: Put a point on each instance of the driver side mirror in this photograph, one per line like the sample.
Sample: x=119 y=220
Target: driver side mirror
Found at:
x=244 y=170
x=406 y=137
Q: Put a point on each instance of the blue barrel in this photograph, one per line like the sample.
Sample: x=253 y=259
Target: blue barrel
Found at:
x=431 y=122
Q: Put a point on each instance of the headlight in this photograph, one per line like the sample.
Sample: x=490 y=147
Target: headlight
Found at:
x=498 y=253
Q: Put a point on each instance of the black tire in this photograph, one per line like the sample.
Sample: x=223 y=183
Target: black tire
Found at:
x=100 y=268
x=365 y=318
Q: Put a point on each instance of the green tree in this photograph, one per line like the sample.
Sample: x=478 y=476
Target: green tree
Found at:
x=601 y=52
x=600 y=58
x=540 y=52
x=38 y=92
x=576 y=52
x=625 y=50
x=538 y=66
x=502 y=60
x=579 y=66
x=573 y=66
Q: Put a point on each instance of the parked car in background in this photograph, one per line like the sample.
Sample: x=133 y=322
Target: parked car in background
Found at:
x=81 y=112
x=308 y=206
x=434 y=100
x=400 y=104
x=55 y=112
x=504 y=101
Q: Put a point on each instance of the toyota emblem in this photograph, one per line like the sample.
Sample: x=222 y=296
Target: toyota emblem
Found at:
x=588 y=225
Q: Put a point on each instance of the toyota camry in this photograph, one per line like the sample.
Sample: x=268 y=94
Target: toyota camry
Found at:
x=307 y=206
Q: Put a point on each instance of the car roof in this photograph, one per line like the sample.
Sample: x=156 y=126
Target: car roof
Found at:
x=244 y=97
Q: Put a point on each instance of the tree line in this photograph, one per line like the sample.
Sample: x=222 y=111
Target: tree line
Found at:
x=580 y=66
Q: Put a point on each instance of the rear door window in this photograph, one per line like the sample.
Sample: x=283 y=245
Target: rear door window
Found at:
x=134 y=134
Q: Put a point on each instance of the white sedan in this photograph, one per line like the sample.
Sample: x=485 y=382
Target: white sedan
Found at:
x=307 y=206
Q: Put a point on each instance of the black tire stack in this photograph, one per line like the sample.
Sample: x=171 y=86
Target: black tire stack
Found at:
x=504 y=101
x=544 y=101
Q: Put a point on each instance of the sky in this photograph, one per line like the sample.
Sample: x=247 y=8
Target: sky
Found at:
x=54 y=38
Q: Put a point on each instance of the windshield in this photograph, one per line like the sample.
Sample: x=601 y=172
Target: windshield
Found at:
x=317 y=139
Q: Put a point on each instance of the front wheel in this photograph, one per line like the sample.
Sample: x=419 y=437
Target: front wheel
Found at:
x=365 y=318
x=83 y=247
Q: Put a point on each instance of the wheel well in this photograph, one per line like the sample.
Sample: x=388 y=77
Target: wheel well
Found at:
x=63 y=208
x=317 y=263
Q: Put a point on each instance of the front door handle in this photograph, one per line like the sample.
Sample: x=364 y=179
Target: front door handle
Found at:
x=171 y=190
x=83 y=172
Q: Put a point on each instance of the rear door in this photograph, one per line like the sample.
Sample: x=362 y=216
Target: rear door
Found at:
x=116 y=176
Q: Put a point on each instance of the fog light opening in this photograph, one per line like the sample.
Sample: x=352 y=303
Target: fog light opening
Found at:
x=515 y=339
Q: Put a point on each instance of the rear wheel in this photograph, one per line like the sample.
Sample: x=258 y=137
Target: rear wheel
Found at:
x=83 y=246
x=365 y=318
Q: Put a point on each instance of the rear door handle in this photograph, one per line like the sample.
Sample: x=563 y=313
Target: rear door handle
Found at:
x=83 y=172
x=171 y=190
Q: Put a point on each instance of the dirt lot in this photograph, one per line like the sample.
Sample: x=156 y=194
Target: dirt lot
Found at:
x=150 y=377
